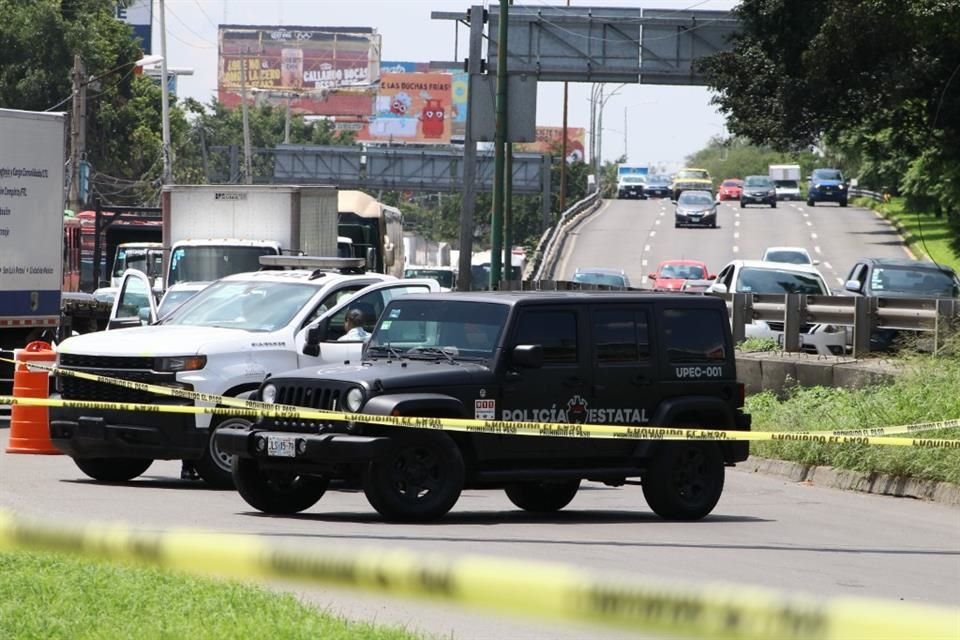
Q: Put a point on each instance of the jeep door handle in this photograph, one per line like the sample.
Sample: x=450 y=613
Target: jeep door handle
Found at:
x=573 y=381
x=640 y=379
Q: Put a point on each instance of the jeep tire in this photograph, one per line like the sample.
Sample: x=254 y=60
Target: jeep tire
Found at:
x=420 y=480
x=543 y=497
x=684 y=480
x=214 y=465
x=113 y=469
x=276 y=492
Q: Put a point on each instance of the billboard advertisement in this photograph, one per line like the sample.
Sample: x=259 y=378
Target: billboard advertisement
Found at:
x=319 y=70
x=139 y=15
x=550 y=140
x=458 y=91
x=411 y=107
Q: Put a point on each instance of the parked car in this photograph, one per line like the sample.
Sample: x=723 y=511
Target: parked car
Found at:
x=695 y=209
x=657 y=187
x=608 y=277
x=899 y=278
x=446 y=276
x=730 y=189
x=790 y=255
x=755 y=276
x=758 y=190
x=827 y=185
x=672 y=274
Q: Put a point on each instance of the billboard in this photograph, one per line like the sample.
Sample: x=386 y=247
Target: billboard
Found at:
x=319 y=70
x=139 y=15
x=550 y=140
x=411 y=107
x=458 y=91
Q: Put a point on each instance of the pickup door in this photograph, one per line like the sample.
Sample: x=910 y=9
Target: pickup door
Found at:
x=371 y=301
x=135 y=304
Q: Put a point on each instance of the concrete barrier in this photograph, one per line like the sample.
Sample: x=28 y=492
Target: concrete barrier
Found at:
x=777 y=371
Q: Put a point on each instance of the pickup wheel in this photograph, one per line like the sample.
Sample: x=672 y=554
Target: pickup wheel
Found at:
x=685 y=480
x=543 y=497
x=811 y=203
x=277 y=492
x=214 y=466
x=113 y=469
x=420 y=480
x=843 y=202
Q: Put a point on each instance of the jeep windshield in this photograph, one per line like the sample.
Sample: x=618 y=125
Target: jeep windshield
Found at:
x=238 y=304
x=438 y=329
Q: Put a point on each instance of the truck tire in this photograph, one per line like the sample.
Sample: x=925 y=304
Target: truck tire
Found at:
x=113 y=469
x=843 y=202
x=214 y=466
x=419 y=481
x=276 y=492
x=543 y=497
x=684 y=480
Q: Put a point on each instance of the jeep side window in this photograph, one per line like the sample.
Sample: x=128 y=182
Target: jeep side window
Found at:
x=694 y=335
x=555 y=331
x=620 y=335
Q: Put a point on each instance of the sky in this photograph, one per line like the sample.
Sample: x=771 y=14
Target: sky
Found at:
x=664 y=124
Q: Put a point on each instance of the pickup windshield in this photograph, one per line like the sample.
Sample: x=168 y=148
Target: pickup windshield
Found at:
x=420 y=328
x=237 y=304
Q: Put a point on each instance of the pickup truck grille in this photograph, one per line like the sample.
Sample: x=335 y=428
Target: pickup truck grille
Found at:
x=136 y=369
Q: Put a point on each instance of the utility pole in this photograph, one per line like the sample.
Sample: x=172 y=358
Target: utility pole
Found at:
x=247 y=159
x=166 y=177
x=508 y=215
x=499 y=145
x=625 y=133
x=563 y=151
x=474 y=67
x=78 y=130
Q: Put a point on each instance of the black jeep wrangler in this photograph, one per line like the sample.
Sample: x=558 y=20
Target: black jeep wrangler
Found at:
x=629 y=358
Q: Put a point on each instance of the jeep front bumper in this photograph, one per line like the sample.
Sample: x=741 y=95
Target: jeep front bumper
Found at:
x=320 y=448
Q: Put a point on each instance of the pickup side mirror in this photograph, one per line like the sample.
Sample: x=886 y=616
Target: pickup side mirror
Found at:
x=712 y=276
x=528 y=355
x=652 y=276
x=852 y=286
x=315 y=334
x=718 y=287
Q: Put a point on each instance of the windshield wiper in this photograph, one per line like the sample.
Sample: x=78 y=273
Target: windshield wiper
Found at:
x=390 y=350
x=433 y=351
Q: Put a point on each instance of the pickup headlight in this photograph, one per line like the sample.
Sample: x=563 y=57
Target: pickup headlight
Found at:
x=180 y=363
x=268 y=394
x=353 y=400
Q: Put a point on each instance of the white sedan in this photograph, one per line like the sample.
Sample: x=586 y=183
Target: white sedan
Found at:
x=790 y=255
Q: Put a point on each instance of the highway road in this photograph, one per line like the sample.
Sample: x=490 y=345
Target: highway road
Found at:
x=766 y=531
x=635 y=235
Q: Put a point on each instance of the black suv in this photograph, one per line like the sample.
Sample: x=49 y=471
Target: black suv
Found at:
x=642 y=359
x=899 y=278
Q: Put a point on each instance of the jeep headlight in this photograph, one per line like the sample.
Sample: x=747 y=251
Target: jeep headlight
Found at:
x=179 y=363
x=353 y=400
x=268 y=394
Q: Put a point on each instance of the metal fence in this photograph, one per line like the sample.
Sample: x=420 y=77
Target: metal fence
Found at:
x=858 y=316
x=551 y=243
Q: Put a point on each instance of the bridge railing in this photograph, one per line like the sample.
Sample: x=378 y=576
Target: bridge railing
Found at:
x=551 y=243
x=857 y=316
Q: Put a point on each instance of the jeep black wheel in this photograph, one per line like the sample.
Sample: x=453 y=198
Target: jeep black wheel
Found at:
x=685 y=480
x=543 y=497
x=113 y=469
x=420 y=480
x=214 y=466
x=276 y=492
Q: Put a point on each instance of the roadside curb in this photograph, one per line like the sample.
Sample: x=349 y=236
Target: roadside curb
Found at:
x=875 y=483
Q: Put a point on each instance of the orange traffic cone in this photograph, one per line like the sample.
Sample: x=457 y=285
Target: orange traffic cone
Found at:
x=30 y=426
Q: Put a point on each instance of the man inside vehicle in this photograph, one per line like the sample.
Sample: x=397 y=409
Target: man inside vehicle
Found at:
x=353 y=325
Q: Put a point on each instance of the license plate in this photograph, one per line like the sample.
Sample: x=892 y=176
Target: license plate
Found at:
x=282 y=446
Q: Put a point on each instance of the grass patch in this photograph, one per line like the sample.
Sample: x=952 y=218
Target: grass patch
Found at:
x=926 y=235
x=753 y=345
x=54 y=596
x=923 y=393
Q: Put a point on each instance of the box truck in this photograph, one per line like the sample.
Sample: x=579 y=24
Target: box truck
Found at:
x=786 y=179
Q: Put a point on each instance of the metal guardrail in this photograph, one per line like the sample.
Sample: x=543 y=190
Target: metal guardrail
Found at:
x=551 y=243
x=857 y=316
x=865 y=193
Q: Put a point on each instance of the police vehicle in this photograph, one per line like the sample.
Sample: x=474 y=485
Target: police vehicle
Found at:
x=596 y=357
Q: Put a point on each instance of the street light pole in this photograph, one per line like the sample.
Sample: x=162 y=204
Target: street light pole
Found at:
x=167 y=175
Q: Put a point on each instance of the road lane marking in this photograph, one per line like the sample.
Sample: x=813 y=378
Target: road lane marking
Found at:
x=828 y=265
x=736 y=223
x=736 y=234
x=809 y=224
x=736 y=249
x=657 y=221
x=813 y=235
x=840 y=280
x=817 y=249
x=653 y=233
x=643 y=263
x=646 y=248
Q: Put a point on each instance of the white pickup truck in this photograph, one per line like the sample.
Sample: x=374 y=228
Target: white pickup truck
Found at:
x=224 y=340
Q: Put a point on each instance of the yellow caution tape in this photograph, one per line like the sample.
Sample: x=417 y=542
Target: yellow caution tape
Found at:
x=497 y=427
x=534 y=589
x=253 y=409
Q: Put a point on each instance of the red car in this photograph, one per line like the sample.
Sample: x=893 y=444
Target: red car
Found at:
x=730 y=189
x=671 y=274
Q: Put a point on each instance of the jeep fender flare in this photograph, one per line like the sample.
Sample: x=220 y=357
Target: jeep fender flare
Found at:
x=679 y=411
x=415 y=404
